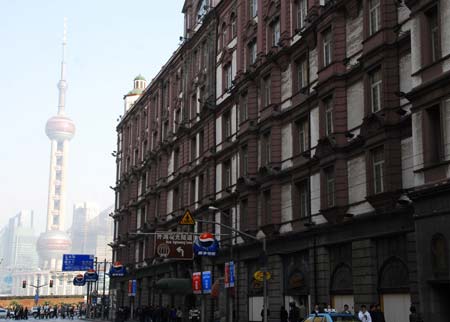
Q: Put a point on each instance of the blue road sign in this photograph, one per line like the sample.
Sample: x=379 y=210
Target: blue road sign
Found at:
x=232 y=277
x=206 y=282
x=74 y=262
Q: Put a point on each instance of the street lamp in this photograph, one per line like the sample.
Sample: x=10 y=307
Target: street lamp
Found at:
x=264 y=248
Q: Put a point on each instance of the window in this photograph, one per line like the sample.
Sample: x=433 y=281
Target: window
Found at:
x=374 y=16
x=265 y=149
x=201 y=187
x=265 y=91
x=327 y=47
x=228 y=77
x=193 y=106
x=303 y=198
x=143 y=150
x=434 y=34
x=193 y=148
x=58 y=175
x=60 y=146
x=328 y=103
x=55 y=220
x=59 y=160
x=303 y=135
x=204 y=54
x=226 y=174
x=224 y=35
x=243 y=108
x=300 y=14
x=433 y=135
x=253 y=8
x=252 y=52
x=201 y=141
x=57 y=189
x=330 y=189
x=176 y=199
x=202 y=9
x=302 y=74
x=267 y=207
x=176 y=159
x=192 y=191
x=244 y=213
x=276 y=32
x=138 y=218
x=378 y=170
x=233 y=25
x=244 y=160
x=375 y=90
x=56 y=204
x=226 y=125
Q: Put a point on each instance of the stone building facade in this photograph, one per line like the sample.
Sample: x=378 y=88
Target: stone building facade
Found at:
x=303 y=122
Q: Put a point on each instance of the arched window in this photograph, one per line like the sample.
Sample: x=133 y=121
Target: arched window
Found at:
x=233 y=25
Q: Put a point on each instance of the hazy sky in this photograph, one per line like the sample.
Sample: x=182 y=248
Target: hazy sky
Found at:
x=109 y=43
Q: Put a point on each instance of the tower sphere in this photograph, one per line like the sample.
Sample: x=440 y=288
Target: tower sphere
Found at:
x=60 y=128
x=53 y=244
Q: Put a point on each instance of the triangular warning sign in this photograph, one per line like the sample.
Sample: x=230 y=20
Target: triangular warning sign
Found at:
x=187 y=219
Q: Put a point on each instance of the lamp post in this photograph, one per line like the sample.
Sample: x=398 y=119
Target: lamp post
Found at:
x=264 y=248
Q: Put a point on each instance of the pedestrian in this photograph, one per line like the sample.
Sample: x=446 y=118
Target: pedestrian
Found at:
x=380 y=313
x=294 y=312
x=262 y=314
x=414 y=316
x=283 y=314
x=302 y=311
x=316 y=309
x=194 y=314
x=364 y=315
x=346 y=309
x=179 y=315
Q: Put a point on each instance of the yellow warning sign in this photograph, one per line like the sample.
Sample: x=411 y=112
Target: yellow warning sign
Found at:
x=187 y=219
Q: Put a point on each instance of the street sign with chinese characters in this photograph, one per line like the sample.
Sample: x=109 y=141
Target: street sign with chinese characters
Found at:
x=174 y=245
x=73 y=262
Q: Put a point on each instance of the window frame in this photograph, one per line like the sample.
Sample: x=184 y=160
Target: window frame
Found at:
x=374 y=16
x=301 y=11
x=266 y=91
x=378 y=169
x=328 y=112
x=376 y=83
x=330 y=186
x=327 y=46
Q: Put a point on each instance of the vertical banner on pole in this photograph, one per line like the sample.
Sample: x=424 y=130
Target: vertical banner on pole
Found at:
x=197 y=283
x=132 y=286
x=231 y=274
x=226 y=277
x=206 y=282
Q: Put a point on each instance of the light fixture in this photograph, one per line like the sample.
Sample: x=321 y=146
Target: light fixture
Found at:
x=211 y=208
x=122 y=245
x=404 y=200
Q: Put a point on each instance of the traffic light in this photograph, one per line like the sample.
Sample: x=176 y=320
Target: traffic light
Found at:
x=50 y=284
x=24 y=284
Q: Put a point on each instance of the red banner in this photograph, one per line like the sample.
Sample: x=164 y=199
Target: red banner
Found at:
x=197 y=283
x=227 y=275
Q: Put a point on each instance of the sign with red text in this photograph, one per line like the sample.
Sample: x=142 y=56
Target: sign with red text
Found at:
x=197 y=283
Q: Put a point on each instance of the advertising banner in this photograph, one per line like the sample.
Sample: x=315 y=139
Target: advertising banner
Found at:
x=117 y=270
x=132 y=287
x=197 y=283
x=206 y=245
x=232 y=274
x=226 y=277
x=91 y=276
x=79 y=280
x=206 y=282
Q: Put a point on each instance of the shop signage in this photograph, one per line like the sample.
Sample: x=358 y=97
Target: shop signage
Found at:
x=132 y=287
x=206 y=245
x=91 y=276
x=74 y=262
x=79 y=280
x=197 y=283
x=117 y=270
x=174 y=245
x=296 y=280
x=206 y=282
x=259 y=276
x=229 y=275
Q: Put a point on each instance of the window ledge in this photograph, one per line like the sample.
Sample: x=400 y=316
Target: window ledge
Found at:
x=432 y=166
x=429 y=65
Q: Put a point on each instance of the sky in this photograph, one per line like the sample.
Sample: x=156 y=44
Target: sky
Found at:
x=109 y=42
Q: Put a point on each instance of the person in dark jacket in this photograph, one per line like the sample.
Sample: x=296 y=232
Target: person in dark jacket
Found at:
x=283 y=314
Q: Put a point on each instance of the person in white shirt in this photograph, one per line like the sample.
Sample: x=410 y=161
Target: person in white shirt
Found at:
x=364 y=315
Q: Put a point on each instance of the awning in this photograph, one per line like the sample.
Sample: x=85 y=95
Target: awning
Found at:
x=174 y=285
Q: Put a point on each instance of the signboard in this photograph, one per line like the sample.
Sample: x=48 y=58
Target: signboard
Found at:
x=197 y=283
x=91 y=276
x=259 y=276
x=36 y=298
x=187 y=219
x=206 y=245
x=174 y=245
x=132 y=287
x=117 y=270
x=206 y=282
x=73 y=262
x=79 y=280
x=229 y=275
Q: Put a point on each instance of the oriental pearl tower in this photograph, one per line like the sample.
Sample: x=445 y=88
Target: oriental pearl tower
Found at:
x=60 y=129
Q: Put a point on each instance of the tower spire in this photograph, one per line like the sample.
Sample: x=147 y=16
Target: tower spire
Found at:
x=62 y=84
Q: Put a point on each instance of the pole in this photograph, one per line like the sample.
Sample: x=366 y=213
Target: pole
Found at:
x=103 y=293
x=88 y=296
x=264 y=269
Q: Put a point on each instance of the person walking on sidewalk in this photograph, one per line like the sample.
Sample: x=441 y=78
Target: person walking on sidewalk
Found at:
x=364 y=315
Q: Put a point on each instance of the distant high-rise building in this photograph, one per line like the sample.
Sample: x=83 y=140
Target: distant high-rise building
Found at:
x=18 y=241
x=82 y=214
x=60 y=129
